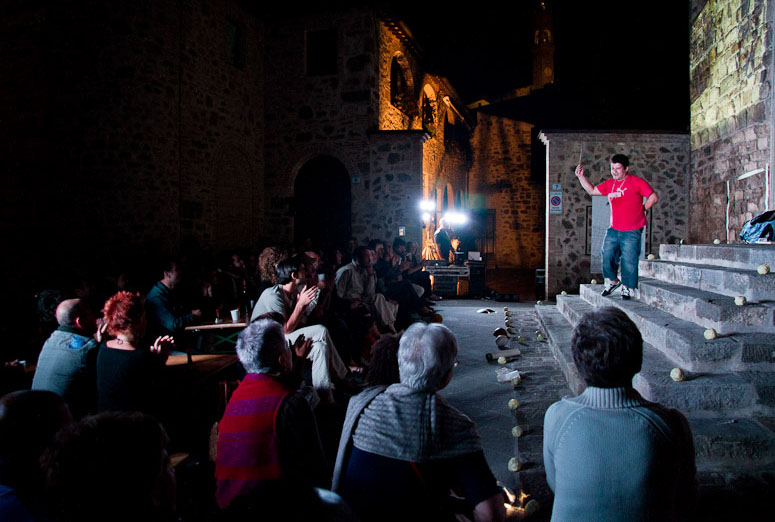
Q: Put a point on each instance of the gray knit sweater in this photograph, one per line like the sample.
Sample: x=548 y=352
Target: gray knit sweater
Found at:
x=611 y=455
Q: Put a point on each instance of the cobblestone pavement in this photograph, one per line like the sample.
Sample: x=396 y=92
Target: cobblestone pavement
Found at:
x=475 y=391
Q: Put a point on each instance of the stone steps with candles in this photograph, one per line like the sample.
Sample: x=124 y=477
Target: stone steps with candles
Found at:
x=729 y=394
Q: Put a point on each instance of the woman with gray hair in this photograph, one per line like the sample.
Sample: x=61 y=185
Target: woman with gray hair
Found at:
x=405 y=442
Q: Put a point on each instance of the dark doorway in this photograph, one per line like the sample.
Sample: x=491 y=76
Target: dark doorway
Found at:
x=322 y=203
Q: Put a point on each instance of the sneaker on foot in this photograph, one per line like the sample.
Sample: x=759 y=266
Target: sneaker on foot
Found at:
x=625 y=293
x=610 y=286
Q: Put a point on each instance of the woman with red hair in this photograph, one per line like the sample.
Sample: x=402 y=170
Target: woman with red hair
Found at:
x=128 y=369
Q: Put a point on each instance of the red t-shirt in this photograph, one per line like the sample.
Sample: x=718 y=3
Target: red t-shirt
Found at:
x=626 y=199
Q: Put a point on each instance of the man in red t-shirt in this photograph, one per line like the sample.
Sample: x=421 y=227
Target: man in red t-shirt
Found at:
x=625 y=193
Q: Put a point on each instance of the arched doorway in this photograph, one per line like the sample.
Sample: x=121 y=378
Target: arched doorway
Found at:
x=322 y=203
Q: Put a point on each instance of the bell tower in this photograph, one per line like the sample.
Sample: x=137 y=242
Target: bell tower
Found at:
x=542 y=46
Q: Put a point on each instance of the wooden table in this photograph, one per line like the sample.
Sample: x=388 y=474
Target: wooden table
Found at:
x=225 y=332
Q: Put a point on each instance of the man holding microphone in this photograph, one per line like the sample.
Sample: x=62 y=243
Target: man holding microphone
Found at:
x=621 y=246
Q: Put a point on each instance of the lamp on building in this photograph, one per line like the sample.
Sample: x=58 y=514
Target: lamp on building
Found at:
x=456 y=218
x=427 y=205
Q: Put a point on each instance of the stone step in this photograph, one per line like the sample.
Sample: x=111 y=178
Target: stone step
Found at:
x=728 y=432
x=705 y=395
x=707 y=309
x=737 y=444
x=683 y=342
x=732 y=282
x=747 y=257
x=558 y=333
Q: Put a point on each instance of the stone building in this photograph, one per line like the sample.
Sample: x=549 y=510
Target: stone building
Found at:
x=731 y=68
x=141 y=127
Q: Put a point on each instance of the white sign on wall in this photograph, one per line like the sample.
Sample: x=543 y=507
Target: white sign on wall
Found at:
x=555 y=202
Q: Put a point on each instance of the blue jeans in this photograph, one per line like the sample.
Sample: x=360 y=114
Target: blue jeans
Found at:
x=621 y=247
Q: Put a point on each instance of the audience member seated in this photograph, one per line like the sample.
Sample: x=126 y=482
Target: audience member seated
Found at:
x=112 y=466
x=383 y=364
x=166 y=315
x=356 y=286
x=28 y=422
x=610 y=454
x=290 y=297
x=403 y=447
x=128 y=370
x=412 y=267
x=266 y=271
x=68 y=361
x=268 y=431
x=391 y=283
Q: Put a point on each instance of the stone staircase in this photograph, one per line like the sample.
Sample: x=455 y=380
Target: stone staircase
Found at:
x=729 y=396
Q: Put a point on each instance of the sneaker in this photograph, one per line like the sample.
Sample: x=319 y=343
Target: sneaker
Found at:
x=625 y=293
x=610 y=287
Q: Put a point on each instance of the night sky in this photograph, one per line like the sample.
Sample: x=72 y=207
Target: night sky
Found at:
x=625 y=63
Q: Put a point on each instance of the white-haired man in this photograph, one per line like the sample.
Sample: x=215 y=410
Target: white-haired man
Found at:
x=268 y=430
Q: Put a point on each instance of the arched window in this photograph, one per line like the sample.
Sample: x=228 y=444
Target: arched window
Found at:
x=429 y=107
x=401 y=86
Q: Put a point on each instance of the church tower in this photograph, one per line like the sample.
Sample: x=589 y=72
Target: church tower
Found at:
x=543 y=45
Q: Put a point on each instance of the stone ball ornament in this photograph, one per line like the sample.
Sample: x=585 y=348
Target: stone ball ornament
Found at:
x=710 y=334
x=593 y=282
x=763 y=269
x=514 y=464
x=501 y=360
x=740 y=300
x=516 y=432
x=563 y=293
x=677 y=374
x=513 y=404
x=651 y=256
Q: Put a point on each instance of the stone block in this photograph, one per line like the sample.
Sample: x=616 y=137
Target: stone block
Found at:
x=732 y=439
x=708 y=393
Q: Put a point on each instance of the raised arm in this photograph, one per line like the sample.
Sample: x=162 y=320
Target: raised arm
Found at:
x=591 y=190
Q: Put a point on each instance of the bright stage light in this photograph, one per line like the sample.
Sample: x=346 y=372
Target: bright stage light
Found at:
x=456 y=218
x=427 y=205
x=426 y=216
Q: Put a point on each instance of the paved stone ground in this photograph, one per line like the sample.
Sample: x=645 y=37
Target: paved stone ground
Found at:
x=475 y=391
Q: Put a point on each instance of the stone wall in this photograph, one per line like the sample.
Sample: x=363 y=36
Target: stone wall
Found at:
x=394 y=187
x=500 y=180
x=661 y=159
x=731 y=113
x=140 y=133
x=308 y=116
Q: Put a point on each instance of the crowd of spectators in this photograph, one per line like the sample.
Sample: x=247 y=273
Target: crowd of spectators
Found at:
x=334 y=413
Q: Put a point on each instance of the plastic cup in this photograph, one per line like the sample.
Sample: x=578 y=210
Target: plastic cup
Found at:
x=235 y=315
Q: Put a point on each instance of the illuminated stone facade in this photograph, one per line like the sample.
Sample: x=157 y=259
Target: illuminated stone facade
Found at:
x=501 y=180
x=731 y=113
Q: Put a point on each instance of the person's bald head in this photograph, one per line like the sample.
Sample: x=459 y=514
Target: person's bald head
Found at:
x=76 y=313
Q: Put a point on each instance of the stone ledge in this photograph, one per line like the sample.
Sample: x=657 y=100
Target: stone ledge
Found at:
x=747 y=257
x=707 y=309
x=732 y=282
x=558 y=332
